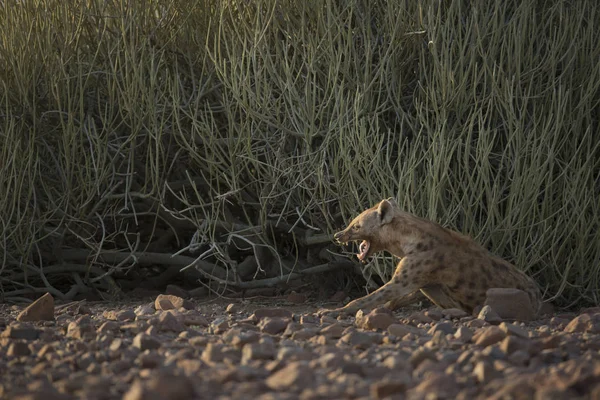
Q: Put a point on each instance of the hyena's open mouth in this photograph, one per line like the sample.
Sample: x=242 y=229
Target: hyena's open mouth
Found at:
x=363 y=249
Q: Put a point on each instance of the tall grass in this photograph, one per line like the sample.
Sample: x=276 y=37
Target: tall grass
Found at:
x=253 y=130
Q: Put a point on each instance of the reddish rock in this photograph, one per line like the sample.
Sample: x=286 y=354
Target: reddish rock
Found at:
x=40 y=310
x=162 y=302
x=583 y=323
x=374 y=321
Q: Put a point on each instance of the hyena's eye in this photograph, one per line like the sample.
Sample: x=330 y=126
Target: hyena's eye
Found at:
x=356 y=227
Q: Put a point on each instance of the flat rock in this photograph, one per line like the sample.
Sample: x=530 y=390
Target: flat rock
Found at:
x=510 y=304
x=40 y=310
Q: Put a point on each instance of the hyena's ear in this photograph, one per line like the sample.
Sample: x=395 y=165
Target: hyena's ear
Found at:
x=385 y=211
x=392 y=201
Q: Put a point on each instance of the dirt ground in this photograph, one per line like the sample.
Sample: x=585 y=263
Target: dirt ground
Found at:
x=279 y=348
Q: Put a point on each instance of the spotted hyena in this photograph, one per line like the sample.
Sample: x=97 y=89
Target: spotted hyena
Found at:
x=452 y=270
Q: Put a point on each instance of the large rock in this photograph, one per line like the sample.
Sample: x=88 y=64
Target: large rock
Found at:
x=510 y=304
x=40 y=310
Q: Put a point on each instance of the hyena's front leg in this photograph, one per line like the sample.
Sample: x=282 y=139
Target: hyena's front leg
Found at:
x=402 y=284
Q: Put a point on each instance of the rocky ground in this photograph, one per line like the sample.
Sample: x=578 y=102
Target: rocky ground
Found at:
x=171 y=348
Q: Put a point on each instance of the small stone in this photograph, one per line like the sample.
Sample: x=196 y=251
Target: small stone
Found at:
x=21 y=331
x=484 y=372
x=360 y=340
x=219 y=326
x=510 y=344
x=420 y=355
x=519 y=357
x=18 y=349
x=488 y=315
x=488 y=336
x=145 y=342
x=444 y=327
x=463 y=334
x=514 y=330
x=168 y=302
x=167 y=321
x=108 y=326
x=333 y=331
x=420 y=317
x=294 y=375
x=213 y=353
x=258 y=351
x=273 y=326
x=435 y=313
x=80 y=328
x=40 y=310
x=511 y=304
x=375 y=321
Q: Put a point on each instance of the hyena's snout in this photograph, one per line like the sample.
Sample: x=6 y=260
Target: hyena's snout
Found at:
x=340 y=237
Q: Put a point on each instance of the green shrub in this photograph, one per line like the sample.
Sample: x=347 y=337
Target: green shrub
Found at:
x=251 y=130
